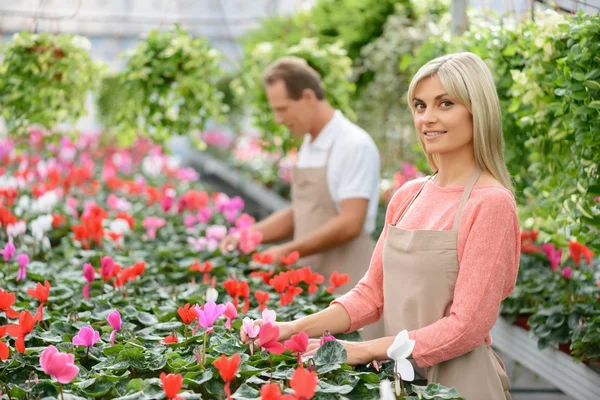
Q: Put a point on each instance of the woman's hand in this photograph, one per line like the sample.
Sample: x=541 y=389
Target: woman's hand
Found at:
x=286 y=330
x=357 y=352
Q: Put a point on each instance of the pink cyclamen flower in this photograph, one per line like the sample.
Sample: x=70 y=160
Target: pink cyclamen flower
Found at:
x=269 y=339
x=249 y=240
x=244 y=221
x=230 y=313
x=198 y=244
x=187 y=175
x=59 y=365
x=209 y=314
x=23 y=260
x=152 y=224
x=89 y=275
x=250 y=329
x=269 y=316
x=87 y=337
x=204 y=215
x=167 y=203
x=89 y=272
x=554 y=255
x=216 y=232
x=108 y=266
x=567 y=272
x=297 y=344
x=190 y=220
x=113 y=201
x=9 y=251
x=326 y=338
x=114 y=319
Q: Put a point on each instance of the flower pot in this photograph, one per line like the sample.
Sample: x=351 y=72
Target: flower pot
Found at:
x=565 y=347
x=522 y=321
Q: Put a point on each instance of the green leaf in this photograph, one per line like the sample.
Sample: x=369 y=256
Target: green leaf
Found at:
x=112 y=350
x=592 y=84
x=146 y=318
x=99 y=388
x=325 y=387
x=331 y=352
x=156 y=362
x=136 y=384
x=436 y=391
x=595 y=104
x=246 y=392
x=168 y=326
x=206 y=376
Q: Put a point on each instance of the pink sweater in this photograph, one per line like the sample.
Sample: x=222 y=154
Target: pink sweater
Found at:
x=488 y=253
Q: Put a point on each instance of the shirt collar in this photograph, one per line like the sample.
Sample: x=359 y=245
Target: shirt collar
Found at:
x=327 y=135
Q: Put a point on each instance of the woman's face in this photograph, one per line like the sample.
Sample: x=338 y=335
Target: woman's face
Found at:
x=444 y=125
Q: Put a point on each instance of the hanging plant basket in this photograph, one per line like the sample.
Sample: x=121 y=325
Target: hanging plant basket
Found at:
x=44 y=80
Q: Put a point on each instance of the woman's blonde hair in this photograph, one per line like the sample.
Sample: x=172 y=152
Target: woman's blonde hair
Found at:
x=468 y=79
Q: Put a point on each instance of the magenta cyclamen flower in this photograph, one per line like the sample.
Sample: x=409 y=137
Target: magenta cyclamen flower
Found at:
x=567 y=272
x=89 y=275
x=108 y=265
x=204 y=215
x=8 y=252
x=59 y=365
x=210 y=313
x=87 y=337
x=326 y=338
x=554 y=255
x=114 y=319
x=23 y=260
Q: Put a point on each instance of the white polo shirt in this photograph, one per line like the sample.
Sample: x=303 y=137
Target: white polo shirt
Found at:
x=353 y=169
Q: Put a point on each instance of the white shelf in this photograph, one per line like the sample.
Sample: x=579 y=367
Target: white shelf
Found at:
x=575 y=379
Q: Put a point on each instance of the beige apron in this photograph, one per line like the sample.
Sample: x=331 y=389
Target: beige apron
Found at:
x=313 y=207
x=420 y=269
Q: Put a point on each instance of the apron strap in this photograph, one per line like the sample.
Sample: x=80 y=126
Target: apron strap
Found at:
x=413 y=199
x=466 y=193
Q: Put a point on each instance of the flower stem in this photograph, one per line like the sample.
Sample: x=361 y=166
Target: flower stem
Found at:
x=271 y=360
x=7 y=391
x=62 y=396
x=204 y=348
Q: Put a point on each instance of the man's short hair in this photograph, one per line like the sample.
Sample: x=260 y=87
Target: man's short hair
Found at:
x=297 y=76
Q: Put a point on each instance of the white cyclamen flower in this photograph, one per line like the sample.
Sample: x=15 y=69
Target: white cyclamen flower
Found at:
x=399 y=351
x=40 y=226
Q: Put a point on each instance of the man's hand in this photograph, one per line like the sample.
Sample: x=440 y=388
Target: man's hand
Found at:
x=229 y=243
x=277 y=252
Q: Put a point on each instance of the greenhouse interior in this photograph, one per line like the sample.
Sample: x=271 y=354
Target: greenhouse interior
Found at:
x=300 y=199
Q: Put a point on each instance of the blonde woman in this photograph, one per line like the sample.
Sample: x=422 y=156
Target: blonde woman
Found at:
x=449 y=253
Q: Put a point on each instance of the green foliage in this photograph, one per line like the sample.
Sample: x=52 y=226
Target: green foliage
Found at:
x=560 y=311
x=329 y=60
x=354 y=22
x=381 y=107
x=547 y=74
x=44 y=79
x=169 y=86
x=285 y=29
